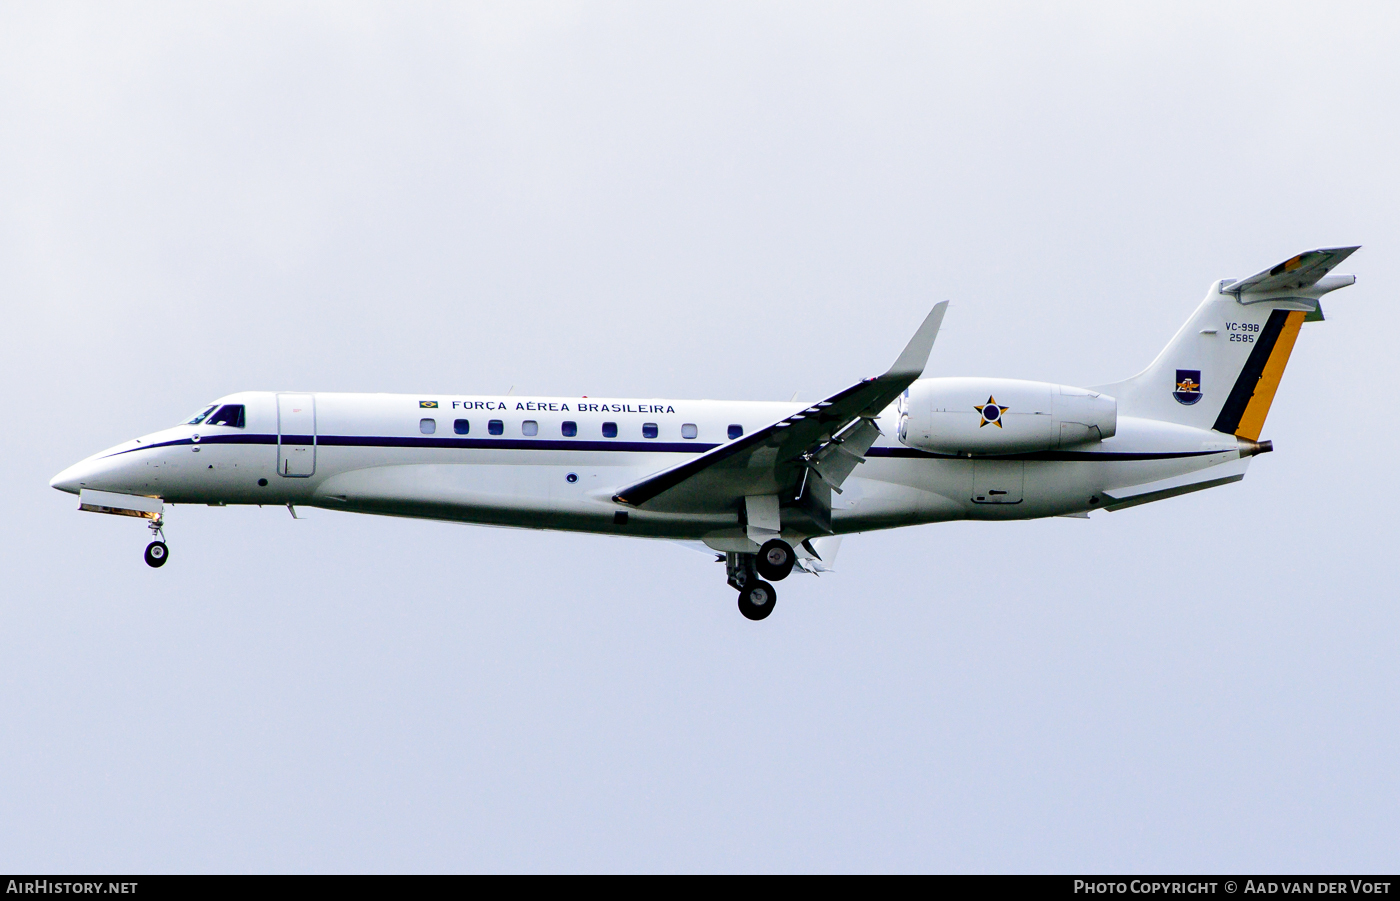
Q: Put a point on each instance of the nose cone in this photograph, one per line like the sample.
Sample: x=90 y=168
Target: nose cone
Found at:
x=71 y=479
x=106 y=471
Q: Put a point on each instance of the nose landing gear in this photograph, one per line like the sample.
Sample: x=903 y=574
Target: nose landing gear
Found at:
x=156 y=552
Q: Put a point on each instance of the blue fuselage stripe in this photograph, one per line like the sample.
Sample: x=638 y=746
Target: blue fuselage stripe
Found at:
x=644 y=447
x=554 y=444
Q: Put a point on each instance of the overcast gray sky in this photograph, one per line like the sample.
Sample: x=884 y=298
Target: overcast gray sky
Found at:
x=691 y=200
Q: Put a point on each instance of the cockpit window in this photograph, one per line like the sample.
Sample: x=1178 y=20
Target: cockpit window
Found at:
x=199 y=417
x=230 y=415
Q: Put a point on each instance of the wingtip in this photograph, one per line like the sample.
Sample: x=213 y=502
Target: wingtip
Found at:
x=914 y=359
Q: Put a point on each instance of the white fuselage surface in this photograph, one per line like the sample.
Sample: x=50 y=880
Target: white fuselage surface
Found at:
x=372 y=453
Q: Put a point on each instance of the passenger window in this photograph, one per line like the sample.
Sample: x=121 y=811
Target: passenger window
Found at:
x=427 y=426
x=649 y=430
x=688 y=430
x=609 y=430
x=530 y=428
x=199 y=417
x=461 y=426
x=230 y=415
x=570 y=429
x=496 y=427
x=735 y=431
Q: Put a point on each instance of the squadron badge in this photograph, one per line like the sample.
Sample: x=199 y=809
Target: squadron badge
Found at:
x=1188 y=386
x=991 y=412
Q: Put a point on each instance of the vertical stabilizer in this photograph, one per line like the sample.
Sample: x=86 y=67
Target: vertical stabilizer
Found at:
x=1223 y=368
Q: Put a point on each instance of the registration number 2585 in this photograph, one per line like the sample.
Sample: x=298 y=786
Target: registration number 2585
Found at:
x=1244 y=332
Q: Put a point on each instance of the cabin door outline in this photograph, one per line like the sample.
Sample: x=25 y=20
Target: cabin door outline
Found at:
x=296 y=435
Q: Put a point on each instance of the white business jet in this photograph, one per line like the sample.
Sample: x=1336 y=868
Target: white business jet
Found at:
x=768 y=487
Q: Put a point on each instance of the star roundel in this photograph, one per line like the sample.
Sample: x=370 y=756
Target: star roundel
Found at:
x=991 y=412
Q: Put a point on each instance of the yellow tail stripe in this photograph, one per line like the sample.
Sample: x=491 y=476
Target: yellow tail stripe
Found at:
x=1252 y=422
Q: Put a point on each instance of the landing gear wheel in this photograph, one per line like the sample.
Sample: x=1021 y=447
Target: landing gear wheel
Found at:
x=157 y=553
x=756 y=600
x=775 y=559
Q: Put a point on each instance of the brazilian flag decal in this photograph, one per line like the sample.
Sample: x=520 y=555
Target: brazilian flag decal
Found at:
x=428 y=404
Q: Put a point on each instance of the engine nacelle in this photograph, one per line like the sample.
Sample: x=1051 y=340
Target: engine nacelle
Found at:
x=1002 y=416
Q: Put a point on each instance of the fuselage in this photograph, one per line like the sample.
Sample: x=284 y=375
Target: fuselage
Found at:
x=555 y=462
x=770 y=487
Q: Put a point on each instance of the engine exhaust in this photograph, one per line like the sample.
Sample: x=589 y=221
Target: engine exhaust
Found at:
x=1250 y=448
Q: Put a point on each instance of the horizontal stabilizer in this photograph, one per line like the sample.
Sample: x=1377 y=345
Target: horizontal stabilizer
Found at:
x=1300 y=272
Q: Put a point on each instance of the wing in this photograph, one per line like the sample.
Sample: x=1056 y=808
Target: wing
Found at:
x=801 y=457
x=1302 y=271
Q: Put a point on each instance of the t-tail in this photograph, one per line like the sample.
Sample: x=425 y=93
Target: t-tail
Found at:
x=1223 y=367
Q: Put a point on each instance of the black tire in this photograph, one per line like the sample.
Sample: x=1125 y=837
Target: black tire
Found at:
x=775 y=559
x=157 y=553
x=756 y=600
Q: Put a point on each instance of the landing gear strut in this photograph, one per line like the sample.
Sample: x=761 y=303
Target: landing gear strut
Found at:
x=756 y=597
x=156 y=552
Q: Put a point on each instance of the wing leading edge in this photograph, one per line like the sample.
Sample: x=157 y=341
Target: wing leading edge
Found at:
x=800 y=458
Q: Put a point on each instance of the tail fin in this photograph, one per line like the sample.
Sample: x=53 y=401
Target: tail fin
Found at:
x=1222 y=368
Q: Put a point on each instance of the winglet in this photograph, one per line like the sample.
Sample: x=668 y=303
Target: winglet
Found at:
x=912 y=361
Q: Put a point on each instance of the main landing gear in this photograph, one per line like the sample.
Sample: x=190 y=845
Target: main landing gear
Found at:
x=756 y=599
x=156 y=552
x=773 y=561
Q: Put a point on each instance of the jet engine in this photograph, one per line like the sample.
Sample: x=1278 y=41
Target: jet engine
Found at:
x=984 y=417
